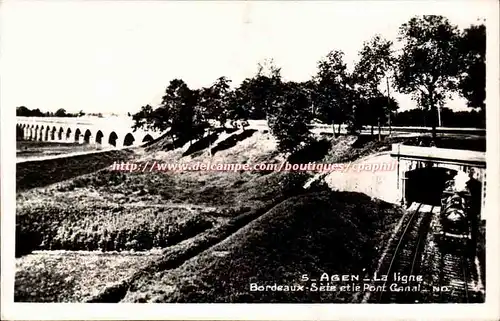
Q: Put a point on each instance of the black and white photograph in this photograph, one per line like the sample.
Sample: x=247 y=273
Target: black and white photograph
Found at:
x=229 y=152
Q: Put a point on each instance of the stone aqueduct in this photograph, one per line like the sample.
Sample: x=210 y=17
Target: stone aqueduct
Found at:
x=107 y=132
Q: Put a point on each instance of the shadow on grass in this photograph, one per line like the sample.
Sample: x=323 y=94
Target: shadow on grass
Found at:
x=311 y=153
x=233 y=140
x=203 y=143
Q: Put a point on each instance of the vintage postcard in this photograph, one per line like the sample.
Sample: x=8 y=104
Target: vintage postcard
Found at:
x=281 y=159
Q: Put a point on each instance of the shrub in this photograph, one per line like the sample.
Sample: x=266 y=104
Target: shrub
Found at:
x=106 y=228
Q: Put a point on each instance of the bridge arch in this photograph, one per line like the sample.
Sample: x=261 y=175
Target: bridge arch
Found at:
x=40 y=133
x=147 y=138
x=26 y=132
x=98 y=137
x=113 y=137
x=128 y=140
x=86 y=137
x=60 y=133
x=46 y=133
x=22 y=131
x=78 y=133
x=35 y=132
x=31 y=129
x=53 y=133
x=68 y=134
x=19 y=132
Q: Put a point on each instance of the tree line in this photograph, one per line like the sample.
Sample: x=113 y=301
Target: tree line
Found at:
x=61 y=112
x=464 y=119
x=435 y=60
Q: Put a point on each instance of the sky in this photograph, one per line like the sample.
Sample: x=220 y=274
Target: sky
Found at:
x=116 y=56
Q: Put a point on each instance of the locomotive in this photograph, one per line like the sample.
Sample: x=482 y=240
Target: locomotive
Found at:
x=457 y=218
x=455 y=208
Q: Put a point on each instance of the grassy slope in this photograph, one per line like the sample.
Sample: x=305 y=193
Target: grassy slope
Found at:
x=71 y=277
x=308 y=234
x=98 y=205
x=95 y=211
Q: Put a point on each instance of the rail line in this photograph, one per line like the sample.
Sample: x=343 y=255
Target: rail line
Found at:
x=407 y=255
x=452 y=270
x=455 y=276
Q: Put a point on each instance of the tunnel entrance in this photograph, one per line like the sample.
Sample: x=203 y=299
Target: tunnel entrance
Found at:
x=425 y=185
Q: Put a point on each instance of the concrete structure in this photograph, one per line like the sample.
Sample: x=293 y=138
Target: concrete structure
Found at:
x=107 y=132
x=425 y=169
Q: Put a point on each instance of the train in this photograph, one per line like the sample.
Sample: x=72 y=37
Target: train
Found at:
x=457 y=217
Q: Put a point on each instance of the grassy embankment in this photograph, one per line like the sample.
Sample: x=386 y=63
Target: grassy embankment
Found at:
x=109 y=210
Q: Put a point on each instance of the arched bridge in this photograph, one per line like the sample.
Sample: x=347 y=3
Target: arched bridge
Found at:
x=111 y=131
x=423 y=171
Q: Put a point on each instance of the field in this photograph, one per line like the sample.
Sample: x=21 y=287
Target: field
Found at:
x=192 y=236
x=28 y=149
x=72 y=276
x=33 y=174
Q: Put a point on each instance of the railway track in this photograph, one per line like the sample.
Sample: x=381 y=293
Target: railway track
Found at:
x=456 y=273
x=454 y=276
x=449 y=273
x=406 y=255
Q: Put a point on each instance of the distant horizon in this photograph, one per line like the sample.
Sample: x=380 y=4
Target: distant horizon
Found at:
x=131 y=51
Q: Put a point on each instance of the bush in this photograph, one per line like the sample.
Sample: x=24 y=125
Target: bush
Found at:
x=106 y=228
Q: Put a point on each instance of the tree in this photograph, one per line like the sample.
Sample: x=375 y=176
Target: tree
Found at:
x=213 y=103
x=179 y=112
x=145 y=118
x=428 y=65
x=310 y=88
x=37 y=113
x=23 y=111
x=289 y=118
x=188 y=121
x=61 y=112
x=375 y=64
x=472 y=50
x=259 y=93
x=237 y=108
x=333 y=83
